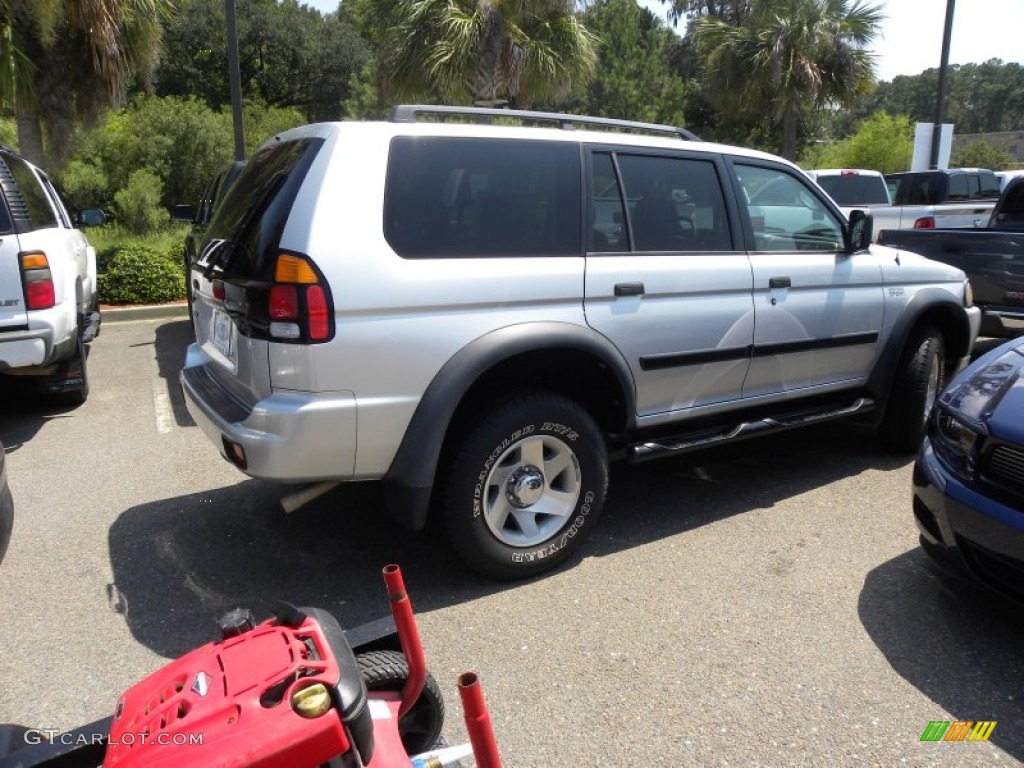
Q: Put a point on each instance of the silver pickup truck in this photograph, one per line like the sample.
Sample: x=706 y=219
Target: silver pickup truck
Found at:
x=960 y=198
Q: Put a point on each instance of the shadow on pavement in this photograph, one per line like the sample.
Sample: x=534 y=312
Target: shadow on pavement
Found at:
x=181 y=562
x=24 y=411
x=956 y=643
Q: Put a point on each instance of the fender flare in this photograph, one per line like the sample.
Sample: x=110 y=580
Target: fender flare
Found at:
x=880 y=382
x=409 y=481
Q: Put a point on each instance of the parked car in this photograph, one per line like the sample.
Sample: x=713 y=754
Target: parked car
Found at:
x=48 y=299
x=479 y=315
x=1005 y=177
x=199 y=216
x=968 y=481
x=993 y=259
x=6 y=506
x=853 y=187
x=954 y=197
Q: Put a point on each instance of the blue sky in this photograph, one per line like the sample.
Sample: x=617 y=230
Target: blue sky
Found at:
x=911 y=39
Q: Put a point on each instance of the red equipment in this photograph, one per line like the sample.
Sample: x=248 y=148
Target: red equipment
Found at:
x=289 y=692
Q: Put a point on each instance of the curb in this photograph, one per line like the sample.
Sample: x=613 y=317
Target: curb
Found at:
x=144 y=312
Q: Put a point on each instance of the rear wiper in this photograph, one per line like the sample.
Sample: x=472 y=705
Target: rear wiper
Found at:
x=224 y=255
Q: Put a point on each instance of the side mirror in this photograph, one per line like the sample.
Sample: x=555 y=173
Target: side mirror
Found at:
x=184 y=213
x=91 y=217
x=859 y=231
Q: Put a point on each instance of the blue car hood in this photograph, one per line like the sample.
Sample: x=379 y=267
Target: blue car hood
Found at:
x=990 y=391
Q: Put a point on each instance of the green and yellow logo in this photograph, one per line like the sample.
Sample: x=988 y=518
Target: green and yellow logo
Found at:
x=958 y=730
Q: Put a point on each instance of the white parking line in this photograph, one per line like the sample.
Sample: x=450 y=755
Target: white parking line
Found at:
x=162 y=406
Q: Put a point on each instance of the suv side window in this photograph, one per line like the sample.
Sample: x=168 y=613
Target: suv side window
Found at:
x=675 y=204
x=608 y=228
x=37 y=204
x=785 y=214
x=469 y=197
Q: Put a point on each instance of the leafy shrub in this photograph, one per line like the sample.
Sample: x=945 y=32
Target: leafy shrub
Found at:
x=138 y=204
x=85 y=185
x=137 y=274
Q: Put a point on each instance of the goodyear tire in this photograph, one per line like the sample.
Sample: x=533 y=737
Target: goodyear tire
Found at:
x=527 y=484
x=916 y=387
x=420 y=727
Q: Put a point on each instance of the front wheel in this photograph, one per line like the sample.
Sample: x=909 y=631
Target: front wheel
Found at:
x=527 y=483
x=915 y=389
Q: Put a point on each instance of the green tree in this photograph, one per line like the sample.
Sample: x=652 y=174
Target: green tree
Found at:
x=789 y=58
x=290 y=55
x=982 y=154
x=881 y=142
x=480 y=51
x=65 y=60
x=637 y=80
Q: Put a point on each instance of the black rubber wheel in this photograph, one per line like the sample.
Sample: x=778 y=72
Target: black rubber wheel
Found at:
x=915 y=388
x=75 y=368
x=420 y=728
x=526 y=485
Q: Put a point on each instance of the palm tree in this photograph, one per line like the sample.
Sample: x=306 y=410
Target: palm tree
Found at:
x=481 y=51
x=63 y=60
x=791 y=56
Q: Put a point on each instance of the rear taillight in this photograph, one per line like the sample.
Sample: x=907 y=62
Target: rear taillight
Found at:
x=38 y=280
x=299 y=303
x=925 y=222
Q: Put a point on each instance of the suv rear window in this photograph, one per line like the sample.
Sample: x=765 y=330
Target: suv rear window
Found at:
x=256 y=208
x=469 y=197
x=855 y=189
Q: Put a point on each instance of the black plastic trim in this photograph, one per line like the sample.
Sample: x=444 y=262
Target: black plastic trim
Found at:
x=806 y=345
x=665 y=360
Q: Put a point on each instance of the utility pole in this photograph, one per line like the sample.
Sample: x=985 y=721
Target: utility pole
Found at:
x=235 y=77
x=940 y=97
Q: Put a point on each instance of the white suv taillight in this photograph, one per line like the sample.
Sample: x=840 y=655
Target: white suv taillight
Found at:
x=299 y=306
x=38 y=280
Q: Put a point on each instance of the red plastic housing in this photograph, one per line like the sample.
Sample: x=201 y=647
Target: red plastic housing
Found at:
x=228 y=704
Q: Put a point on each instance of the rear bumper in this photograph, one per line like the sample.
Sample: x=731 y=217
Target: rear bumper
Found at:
x=1002 y=322
x=288 y=437
x=49 y=339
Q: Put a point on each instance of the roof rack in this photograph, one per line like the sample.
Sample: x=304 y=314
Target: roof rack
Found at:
x=407 y=113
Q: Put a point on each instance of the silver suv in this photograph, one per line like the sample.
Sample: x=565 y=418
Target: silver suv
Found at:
x=480 y=315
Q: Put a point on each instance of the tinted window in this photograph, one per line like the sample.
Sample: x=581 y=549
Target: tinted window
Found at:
x=958 y=188
x=257 y=205
x=675 y=204
x=855 y=189
x=785 y=214
x=468 y=197
x=989 y=184
x=40 y=212
x=608 y=228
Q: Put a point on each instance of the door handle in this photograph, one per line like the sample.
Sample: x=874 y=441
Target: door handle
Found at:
x=780 y=282
x=629 y=289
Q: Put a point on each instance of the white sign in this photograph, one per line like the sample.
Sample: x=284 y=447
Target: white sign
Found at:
x=923 y=146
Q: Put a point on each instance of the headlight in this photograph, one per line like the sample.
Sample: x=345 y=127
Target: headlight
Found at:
x=955 y=443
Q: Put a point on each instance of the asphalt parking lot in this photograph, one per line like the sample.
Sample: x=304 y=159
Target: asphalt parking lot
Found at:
x=765 y=605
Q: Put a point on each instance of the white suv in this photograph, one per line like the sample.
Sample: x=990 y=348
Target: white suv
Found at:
x=48 y=308
x=480 y=315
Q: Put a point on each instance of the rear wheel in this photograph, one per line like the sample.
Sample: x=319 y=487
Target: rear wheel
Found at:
x=916 y=387
x=526 y=485
x=420 y=727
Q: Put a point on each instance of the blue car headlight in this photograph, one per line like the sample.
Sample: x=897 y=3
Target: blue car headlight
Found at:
x=956 y=442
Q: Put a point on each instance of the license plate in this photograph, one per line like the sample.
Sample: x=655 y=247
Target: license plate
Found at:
x=222 y=338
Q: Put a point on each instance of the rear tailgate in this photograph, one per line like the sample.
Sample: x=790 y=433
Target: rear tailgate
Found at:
x=12 y=295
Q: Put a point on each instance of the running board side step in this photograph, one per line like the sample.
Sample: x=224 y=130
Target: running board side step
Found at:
x=707 y=438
